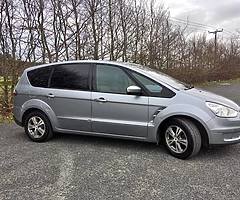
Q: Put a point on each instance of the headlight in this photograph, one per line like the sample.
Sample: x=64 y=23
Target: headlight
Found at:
x=221 y=111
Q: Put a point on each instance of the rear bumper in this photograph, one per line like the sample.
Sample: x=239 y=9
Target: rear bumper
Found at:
x=16 y=115
x=17 y=122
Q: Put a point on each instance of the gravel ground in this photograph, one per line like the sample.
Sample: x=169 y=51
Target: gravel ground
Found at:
x=82 y=167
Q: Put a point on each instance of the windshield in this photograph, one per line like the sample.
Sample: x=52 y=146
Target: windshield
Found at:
x=164 y=77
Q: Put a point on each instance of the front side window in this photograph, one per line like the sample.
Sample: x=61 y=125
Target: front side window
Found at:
x=39 y=77
x=71 y=76
x=153 y=87
x=112 y=79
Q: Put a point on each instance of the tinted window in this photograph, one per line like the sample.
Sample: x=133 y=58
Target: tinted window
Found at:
x=74 y=76
x=153 y=87
x=112 y=79
x=39 y=77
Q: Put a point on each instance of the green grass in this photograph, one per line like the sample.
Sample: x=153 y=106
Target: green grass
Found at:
x=6 y=119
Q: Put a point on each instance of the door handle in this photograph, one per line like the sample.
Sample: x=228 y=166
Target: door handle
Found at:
x=101 y=99
x=50 y=95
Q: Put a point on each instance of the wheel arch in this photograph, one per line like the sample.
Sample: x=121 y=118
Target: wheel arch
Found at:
x=41 y=106
x=202 y=128
x=30 y=110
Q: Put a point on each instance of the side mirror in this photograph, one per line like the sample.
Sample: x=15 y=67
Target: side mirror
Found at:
x=134 y=90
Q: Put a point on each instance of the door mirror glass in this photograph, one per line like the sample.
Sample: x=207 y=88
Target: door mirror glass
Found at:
x=134 y=90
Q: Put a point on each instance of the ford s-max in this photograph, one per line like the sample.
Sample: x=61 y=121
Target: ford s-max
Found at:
x=122 y=100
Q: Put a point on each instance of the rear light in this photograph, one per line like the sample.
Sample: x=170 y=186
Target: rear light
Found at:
x=15 y=92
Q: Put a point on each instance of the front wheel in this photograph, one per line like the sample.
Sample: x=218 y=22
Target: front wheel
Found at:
x=38 y=127
x=182 y=138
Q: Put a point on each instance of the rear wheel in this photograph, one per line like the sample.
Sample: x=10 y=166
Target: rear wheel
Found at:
x=38 y=127
x=182 y=138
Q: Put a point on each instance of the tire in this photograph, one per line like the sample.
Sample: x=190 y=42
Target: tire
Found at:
x=35 y=131
x=186 y=142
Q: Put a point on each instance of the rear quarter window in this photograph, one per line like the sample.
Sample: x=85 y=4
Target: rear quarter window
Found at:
x=39 y=77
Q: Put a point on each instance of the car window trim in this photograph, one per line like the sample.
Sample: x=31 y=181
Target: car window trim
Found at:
x=50 y=76
x=94 y=80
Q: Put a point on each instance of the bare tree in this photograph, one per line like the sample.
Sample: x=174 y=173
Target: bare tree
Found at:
x=92 y=7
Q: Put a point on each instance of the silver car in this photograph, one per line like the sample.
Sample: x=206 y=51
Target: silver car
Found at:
x=122 y=100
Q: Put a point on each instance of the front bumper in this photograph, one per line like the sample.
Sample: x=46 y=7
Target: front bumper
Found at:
x=224 y=131
x=225 y=136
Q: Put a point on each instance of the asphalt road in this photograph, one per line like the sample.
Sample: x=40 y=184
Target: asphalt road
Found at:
x=82 y=167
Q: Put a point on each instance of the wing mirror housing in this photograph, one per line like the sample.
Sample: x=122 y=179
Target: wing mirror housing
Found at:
x=134 y=90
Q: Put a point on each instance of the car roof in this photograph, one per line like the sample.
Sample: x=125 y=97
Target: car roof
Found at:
x=124 y=64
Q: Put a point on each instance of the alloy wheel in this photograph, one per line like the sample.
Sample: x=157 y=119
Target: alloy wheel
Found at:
x=36 y=127
x=176 y=139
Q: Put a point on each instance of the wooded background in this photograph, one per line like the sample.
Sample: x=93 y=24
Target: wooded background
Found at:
x=42 y=31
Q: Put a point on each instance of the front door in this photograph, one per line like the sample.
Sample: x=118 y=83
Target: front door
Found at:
x=113 y=110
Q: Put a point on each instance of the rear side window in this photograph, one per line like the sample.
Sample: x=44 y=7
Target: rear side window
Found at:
x=39 y=77
x=71 y=76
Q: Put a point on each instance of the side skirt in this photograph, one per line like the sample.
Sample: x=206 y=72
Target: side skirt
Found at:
x=103 y=135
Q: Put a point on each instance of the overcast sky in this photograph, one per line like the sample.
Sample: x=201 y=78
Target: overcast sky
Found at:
x=217 y=13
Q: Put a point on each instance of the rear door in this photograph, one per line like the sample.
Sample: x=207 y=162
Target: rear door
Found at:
x=113 y=110
x=69 y=96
